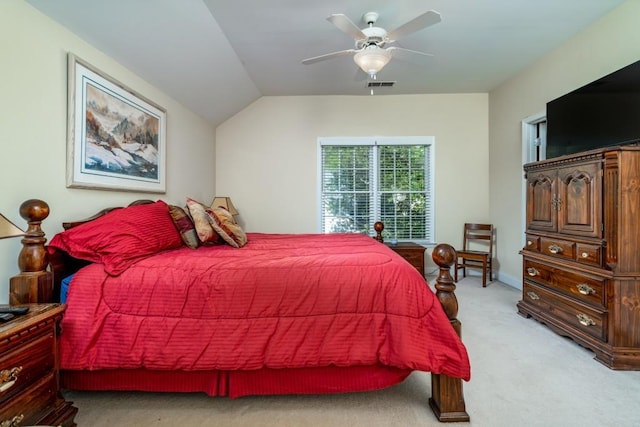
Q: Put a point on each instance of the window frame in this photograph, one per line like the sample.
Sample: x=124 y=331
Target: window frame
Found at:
x=374 y=141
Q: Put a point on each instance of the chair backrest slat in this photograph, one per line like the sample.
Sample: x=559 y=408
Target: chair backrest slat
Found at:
x=482 y=232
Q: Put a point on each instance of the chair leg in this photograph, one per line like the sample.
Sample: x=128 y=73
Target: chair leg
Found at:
x=484 y=273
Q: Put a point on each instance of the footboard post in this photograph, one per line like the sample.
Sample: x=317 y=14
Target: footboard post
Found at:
x=33 y=284
x=447 y=398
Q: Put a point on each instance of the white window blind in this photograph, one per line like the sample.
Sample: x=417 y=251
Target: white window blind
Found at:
x=364 y=180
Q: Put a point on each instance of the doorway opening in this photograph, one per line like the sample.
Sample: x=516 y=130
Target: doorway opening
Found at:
x=534 y=148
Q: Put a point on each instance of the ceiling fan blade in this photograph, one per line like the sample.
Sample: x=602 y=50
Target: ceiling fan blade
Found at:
x=406 y=54
x=328 y=56
x=346 y=25
x=425 y=20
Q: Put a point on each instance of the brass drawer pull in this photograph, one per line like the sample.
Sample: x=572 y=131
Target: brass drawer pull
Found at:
x=585 y=320
x=555 y=249
x=532 y=271
x=8 y=378
x=529 y=243
x=13 y=422
x=584 y=255
x=533 y=295
x=585 y=289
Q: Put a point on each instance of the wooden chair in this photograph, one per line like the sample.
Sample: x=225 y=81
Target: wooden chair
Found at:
x=477 y=251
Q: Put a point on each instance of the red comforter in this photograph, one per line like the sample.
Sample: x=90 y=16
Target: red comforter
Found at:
x=281 y=301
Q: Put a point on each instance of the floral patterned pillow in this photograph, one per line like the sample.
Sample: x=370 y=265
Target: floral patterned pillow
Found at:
x=204 y=230
x=223 y=223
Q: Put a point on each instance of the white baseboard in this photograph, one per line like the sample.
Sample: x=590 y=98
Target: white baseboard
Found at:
x=507 y=279
x=514 y=282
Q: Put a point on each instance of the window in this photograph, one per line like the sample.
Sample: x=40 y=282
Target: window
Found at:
x=364 y=180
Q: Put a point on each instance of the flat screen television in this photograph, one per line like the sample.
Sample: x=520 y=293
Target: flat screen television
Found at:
x=603 y=113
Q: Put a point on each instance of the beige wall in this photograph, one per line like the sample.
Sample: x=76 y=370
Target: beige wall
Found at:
x=269 y=149
x=267 y=154
x=33 y=106
x=607 y=45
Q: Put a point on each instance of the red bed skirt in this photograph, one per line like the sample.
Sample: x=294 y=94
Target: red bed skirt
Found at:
x=239 y=383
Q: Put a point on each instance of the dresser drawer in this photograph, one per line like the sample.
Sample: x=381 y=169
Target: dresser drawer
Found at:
x=558 y=248
x=29 y=391
x=32 y=404
x=589 y=254
x=581 y=287
x=577 y=316
x=532 y=243
x=25 y=365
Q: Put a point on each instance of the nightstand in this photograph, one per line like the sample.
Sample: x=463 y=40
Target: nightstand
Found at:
x=412 y=252
x=29 y=386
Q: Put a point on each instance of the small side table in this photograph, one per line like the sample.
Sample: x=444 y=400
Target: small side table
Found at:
x=412 y=252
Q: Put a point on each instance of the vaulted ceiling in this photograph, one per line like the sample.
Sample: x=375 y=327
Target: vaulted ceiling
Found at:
x=217 y=56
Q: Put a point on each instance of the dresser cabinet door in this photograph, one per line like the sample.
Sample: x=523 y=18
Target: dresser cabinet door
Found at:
x=541 y=200
x=578 y=200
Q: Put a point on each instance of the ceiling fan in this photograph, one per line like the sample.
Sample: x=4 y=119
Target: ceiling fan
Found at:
x=370 y=53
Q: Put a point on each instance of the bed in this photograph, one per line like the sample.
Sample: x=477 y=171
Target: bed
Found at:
x=273 y=314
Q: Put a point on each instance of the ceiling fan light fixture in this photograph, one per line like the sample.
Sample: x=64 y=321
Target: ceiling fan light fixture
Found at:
x=372 y=59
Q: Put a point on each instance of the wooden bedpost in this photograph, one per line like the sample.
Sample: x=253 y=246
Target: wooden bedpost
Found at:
x=34 y=283
x=447 y=398
x=379 y=227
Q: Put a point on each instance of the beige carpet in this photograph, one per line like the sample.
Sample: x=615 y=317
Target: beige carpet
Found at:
x=522 y=375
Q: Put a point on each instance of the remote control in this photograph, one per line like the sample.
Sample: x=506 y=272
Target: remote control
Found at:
x=13 y=310
x=5 y=317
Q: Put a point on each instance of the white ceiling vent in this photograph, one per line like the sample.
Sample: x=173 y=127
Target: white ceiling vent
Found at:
x=380 y=84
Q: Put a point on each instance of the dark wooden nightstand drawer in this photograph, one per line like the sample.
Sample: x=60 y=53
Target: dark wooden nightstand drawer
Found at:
x=415 y=259
x=33 y=403
x=29 y=390
x=413 y=253
x=25 y=365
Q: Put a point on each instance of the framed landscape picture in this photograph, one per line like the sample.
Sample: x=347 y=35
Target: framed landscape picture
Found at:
x=116 y=137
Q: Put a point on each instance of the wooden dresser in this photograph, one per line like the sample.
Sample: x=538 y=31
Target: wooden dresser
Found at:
x=29 y=390
x=581 y=260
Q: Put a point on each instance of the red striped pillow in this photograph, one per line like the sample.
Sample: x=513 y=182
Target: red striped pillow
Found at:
x=121 y=237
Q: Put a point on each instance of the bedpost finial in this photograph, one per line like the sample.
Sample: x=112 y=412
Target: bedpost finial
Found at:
x=34 y=210
x=378 y=227
x=33 y=256
x=34 y=283
x=444 y=255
